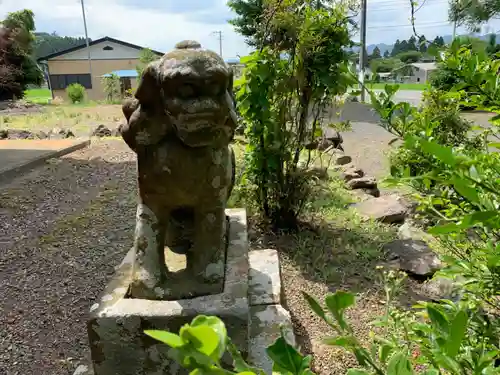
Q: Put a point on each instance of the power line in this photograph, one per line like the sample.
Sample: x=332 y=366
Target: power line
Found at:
x=428 y=25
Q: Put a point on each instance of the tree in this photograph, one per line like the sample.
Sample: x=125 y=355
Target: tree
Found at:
x=249 y=15
x=404 y=46
x=386 y=54
x=385 y=65
x=438 y=41
x=376 y=53
x=18 y=67
x=46 y=44
x=409 y=57
x=396 y=48
x=422 y=46
x=145 y=57
x=412 y=44
x=492 y=46
x=472 y=13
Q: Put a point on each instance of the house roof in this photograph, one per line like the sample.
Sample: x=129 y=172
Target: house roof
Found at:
x=123 y=73
x=94 y=42
x=425 y=66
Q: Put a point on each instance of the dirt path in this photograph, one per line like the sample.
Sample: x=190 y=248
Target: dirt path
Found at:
x=64 y=227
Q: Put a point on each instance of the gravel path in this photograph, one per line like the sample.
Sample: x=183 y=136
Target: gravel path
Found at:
x=368 y=145
x=63 y=228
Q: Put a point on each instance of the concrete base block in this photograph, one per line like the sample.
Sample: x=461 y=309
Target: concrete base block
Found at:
x=117 y=323
x=265 y=328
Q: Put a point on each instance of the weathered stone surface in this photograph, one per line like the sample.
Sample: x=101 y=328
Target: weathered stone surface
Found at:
x=264 y=283
x=265 y=322
x=333 y=136
x=101 y=131
x=180 y=129
x=58 y=133
x=374 y=191
x=408 y=232
x=117 y=323
x=338 y=157
x=439 y=288
x=413 y=256
x=351 y=173
x=386 y=209
x=366 y=182
x=83 y=370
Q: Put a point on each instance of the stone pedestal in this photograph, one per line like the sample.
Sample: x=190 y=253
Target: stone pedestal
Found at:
x=117 y=323
x=249 y=306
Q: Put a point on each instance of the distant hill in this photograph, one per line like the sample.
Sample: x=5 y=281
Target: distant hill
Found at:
x=447 y=39
x=46 y=44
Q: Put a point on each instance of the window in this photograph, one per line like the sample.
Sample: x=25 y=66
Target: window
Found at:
x=61 y=81
x=108 y=48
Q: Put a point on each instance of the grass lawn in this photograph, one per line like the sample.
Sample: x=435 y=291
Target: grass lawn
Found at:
x=80 y=118
x=402 y=86
x=39 y=96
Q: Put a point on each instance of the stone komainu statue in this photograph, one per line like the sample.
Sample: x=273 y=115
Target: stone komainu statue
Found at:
x=180 y=124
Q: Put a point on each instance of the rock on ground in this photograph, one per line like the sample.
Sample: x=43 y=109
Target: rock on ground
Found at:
x=413 y=256
x=387 y=209
x=366 y=182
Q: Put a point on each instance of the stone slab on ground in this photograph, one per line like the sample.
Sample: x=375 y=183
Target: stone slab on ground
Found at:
x=387 y=209
x=20 y=155
x=413 y=256
x=264 y=281
x=117 y=323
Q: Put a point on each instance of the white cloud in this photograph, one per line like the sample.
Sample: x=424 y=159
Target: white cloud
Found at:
x=154 y=28
x=159 y=24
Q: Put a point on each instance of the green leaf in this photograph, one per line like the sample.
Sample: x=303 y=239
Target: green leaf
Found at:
x=384 y=352
x=431 y=371
x=494 y=144
x=353 y=371
x=399 y=364
x=465 y=189
x=457 y=333
x=314 y=305
x=339 y=301
x=443 y=153
x=239 y=363
x=171 y=339
x=438 y=319
x=203 y=338
x=445 y=229
x=285 y=356
x=218 y=327
x=343 y=341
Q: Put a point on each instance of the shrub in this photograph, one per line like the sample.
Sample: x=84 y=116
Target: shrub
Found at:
x=111 y=87
x=76 y=93
x=281 y=96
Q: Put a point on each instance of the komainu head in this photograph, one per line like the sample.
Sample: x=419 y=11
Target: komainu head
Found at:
x=189 y=92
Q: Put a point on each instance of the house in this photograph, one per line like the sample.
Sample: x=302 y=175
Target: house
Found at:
x=237 y=66
x=107 y=55
x=415 y=73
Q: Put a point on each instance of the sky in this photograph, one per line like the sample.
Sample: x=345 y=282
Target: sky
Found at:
x=160 y=24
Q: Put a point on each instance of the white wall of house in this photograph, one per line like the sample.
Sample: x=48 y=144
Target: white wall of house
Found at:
x=97 y=52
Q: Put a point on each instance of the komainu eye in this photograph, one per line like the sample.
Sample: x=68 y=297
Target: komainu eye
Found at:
x=186 y=91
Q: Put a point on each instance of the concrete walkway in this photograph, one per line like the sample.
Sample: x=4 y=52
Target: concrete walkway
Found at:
x=19 y=155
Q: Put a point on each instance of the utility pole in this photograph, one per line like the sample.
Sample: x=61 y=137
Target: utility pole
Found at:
x=219 y=33
x=362 y=51
x=87 y=40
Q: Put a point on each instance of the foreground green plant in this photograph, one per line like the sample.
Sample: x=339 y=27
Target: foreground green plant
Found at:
x=433 y=338
x=199 y=347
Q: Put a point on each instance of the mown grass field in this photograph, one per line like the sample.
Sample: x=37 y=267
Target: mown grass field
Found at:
x=402 y=86
x=39 y=96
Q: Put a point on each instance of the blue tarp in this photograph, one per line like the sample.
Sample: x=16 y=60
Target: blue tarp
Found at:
x=123 y=73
